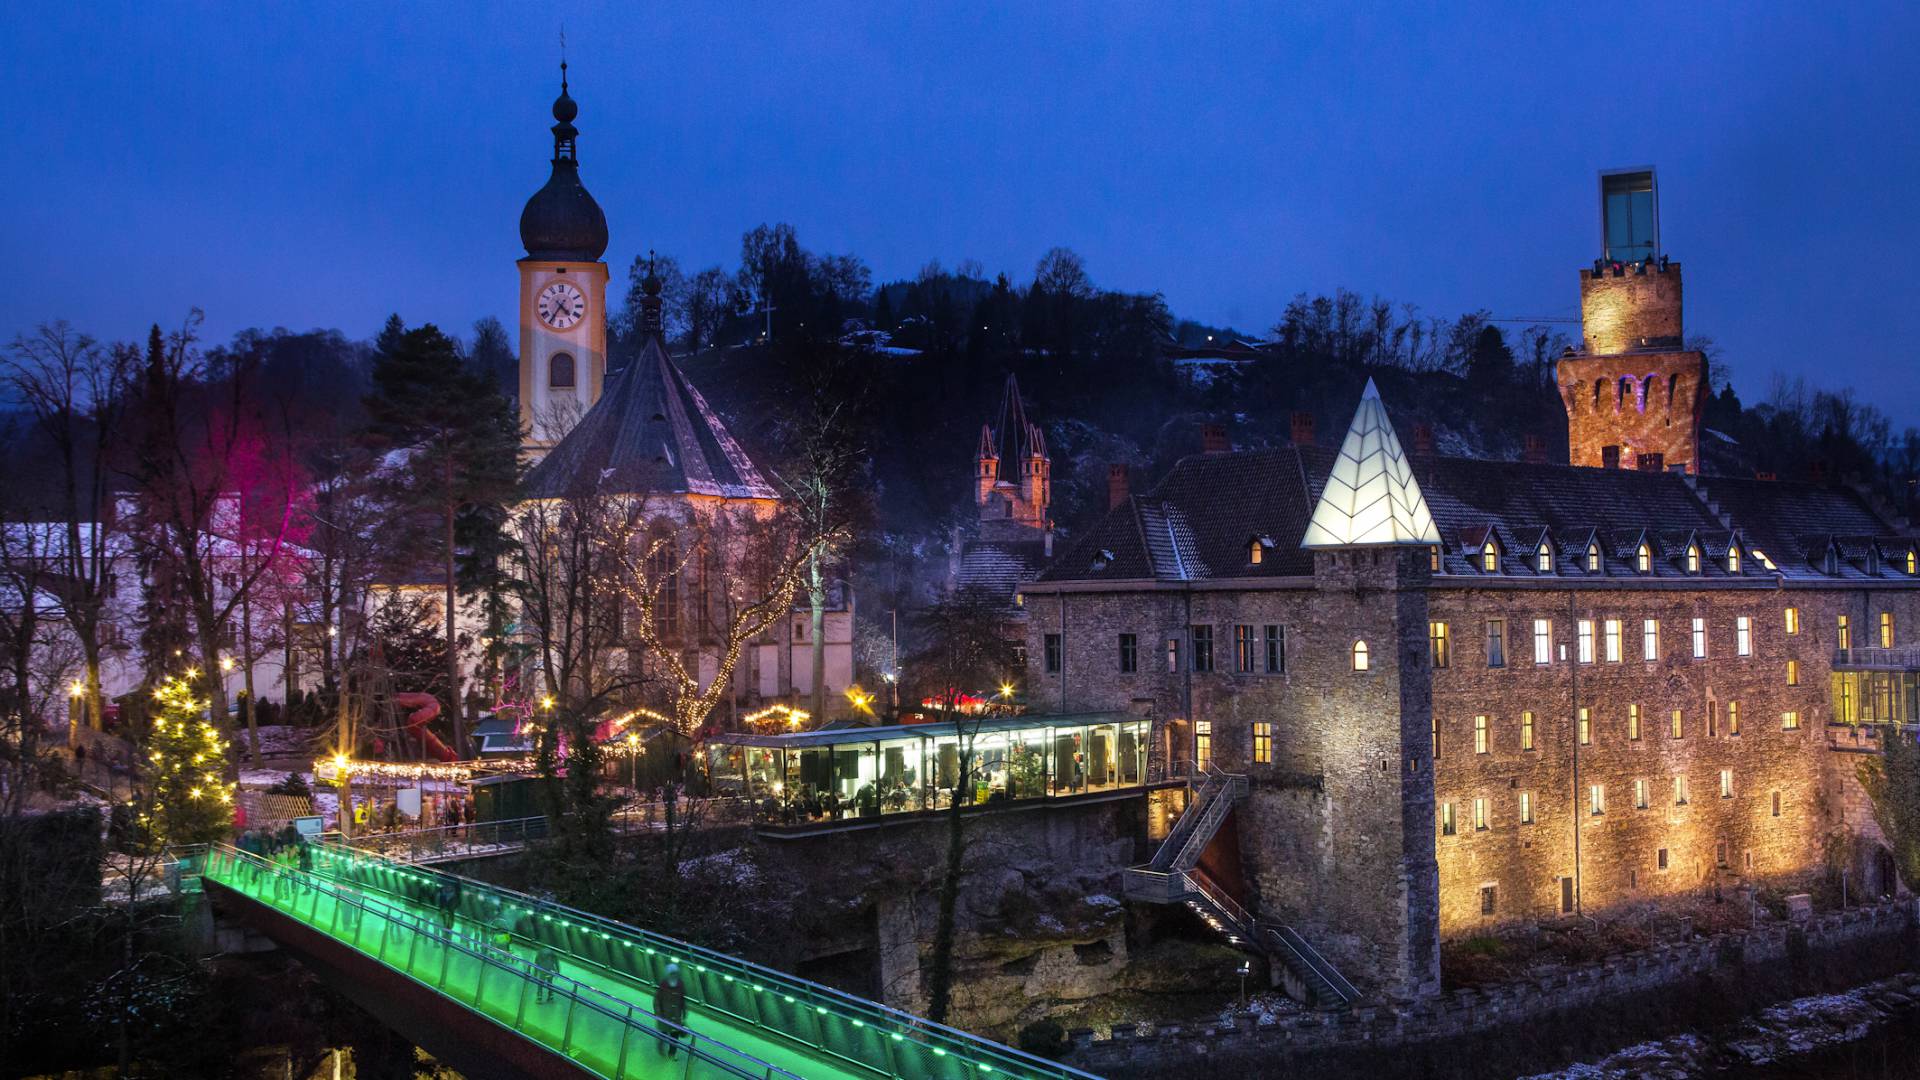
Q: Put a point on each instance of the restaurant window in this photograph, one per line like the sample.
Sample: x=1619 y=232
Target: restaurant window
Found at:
x=1496 y=643
x=1129 y=653
x=1437 y=646
x=1052 y=645
x=1262 y=742
x=1276 y=650
x=1243 y=649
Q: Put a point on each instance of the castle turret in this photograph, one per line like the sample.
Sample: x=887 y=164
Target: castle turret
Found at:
x=1633 y=392
x=986 y=467
x=1013 y=476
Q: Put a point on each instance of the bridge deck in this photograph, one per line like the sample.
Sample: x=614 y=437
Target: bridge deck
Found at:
x=743 y=1020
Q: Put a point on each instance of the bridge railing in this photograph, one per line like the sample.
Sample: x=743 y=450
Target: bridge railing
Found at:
x=819 y=1018
x=602 y=1033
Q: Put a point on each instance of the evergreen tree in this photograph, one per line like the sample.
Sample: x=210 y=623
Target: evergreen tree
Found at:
x=462 y=442
x=190 y=800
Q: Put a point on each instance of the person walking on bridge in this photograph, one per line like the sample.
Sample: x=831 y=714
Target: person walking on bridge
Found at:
x=670 y=1005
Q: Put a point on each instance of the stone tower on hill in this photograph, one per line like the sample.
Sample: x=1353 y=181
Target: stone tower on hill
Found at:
x=1633 y=392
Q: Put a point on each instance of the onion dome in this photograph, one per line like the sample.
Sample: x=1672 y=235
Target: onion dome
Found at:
x=561 y=221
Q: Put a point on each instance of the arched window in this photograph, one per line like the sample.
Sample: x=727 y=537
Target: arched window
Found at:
x=1593 y=558
x=663 y=581
x=1913 y=563
x=560 y=371
x=1733 y=559
x=1359 y=656
x=1693 y=558
x=1489 y=557
x=1543 y=558
x=1255 y=552
x=1643 y=559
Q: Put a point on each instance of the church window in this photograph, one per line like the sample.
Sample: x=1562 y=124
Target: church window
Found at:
x=560 y=372
x=663 y=573
x=1360 y=656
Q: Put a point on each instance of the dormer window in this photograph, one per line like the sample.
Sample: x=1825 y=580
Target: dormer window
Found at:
x=1643 y=559
x=1543 y=558
x=1693 y=558
x=1733 y=559
x=1913 y=563
x=1761 y=558
x=1433 y=558
x=1593 y=558
x=1490 y=557
x=1831 y=563
x=1257 y=549
x=1103 y=559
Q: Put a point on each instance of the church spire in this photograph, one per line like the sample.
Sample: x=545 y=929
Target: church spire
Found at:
x=650 y=303
x=564 y=110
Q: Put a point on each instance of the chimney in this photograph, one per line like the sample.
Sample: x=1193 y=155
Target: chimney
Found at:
x=1422 y=437
x=1303 y=429
x=1610 y=457
x=1654 y=462
x=1534 y=450
x=1213 y=439
x=1117 y=487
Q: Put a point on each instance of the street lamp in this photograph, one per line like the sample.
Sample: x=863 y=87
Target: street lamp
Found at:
x=633 y=763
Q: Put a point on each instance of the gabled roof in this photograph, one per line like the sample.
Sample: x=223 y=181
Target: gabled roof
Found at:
x=1370 y=497
x=651 y=433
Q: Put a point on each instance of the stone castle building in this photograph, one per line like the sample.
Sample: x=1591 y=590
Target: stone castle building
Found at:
x=1426 y=696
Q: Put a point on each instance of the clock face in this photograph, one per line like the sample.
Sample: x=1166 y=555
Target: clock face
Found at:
x=561 y=305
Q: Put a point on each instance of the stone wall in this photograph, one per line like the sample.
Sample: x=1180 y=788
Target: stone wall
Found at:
x=1629 y=311
x=1639 y=403
x=1674 y=970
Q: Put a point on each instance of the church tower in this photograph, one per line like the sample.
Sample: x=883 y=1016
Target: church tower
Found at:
x=563 y=294
x=1633 y=391
x=1012 y=473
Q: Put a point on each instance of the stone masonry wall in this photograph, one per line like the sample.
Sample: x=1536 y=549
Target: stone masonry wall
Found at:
x=1642 y=403
x=1629 y=311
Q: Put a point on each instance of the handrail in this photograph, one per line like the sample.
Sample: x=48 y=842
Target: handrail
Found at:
x=1310 y=957
x=1202 y=833
x=1006 y=1059
x=1204 y=885
x=1876 y=658
x=630 y=1017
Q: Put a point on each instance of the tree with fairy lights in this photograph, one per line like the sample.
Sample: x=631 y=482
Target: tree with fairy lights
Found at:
x=190 y=800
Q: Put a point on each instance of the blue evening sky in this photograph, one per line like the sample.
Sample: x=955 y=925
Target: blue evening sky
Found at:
x=321 y=166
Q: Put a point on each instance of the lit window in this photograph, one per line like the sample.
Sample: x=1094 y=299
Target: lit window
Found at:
x=1359 y=656
x=1447 y=827
x=1586 y=726
x=1593 y=558
x=1793 y=673
x=1679 y=724
x=1913 y=563
x=1526 y=808
x=1643 y=559
x=1843 y=634
x=1433 y=558
x=1203 y=743
x=1610 y=639
x=1496 y=643
x=1886 y=629
x=1693 y=558
x=1243 y=650
x=1793 y=620
x=1433 y=725
x=1733 y=560
x=1255 y=551
x=1479 y=815
x=1480 y=734
x=1584 y=634
x=1650 y=639
x=1437 y=644
x=1733 y=718
x=1639 y=794
x=1681 y=795
x=1761 y=557
x=1543 y=641
x=1596 y=799
x=1633 y=723
x=1490 y=558
x=1526 y=730
x=1743 y=635
x=1543 y=558
x=1726 y=783
x=1262 y=742
x=1699 y=638
x=1789 y=721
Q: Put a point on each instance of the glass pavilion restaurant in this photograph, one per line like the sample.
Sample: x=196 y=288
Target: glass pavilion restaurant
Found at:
x=871 y=772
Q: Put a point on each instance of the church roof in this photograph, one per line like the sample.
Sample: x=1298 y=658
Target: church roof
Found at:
x=1014 y=439
x=1371 y=496
x=651 y=433
x=562 y=221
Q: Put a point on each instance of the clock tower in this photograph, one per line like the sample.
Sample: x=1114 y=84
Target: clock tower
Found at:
x=563 y=293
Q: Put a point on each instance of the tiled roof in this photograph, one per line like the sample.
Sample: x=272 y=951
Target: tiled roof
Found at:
x=650 y=433
x=1201 y=520
x=1000 y=567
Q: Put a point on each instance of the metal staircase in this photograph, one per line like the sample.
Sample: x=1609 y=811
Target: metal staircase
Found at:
x=1174 y=876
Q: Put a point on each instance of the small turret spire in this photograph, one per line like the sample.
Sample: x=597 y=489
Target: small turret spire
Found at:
x=650 y=302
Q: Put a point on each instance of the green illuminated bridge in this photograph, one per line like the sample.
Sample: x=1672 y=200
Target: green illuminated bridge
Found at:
x=472 y=994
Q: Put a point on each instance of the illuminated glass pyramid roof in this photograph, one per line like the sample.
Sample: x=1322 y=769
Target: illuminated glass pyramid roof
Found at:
x=1371 y=496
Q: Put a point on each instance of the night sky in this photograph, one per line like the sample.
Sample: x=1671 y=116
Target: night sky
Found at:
x=322 y=166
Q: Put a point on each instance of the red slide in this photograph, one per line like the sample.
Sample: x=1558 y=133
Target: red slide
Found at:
x=425 y=707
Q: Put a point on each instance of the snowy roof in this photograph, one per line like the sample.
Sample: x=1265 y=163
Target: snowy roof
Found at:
x=1371 y=496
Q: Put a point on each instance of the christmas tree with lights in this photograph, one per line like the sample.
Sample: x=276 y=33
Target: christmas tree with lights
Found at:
x=190 y=800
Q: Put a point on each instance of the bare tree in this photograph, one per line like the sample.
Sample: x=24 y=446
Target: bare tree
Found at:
x=76 y=392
